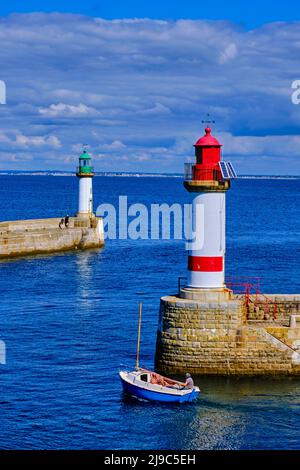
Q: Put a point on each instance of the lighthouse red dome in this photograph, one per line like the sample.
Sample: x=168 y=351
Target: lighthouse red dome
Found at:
x=207 y=140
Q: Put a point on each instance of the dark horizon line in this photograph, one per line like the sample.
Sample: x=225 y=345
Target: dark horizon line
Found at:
x=33 y=172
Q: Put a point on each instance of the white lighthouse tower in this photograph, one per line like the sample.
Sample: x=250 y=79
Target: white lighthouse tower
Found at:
x=207 y=180
x=85 y=173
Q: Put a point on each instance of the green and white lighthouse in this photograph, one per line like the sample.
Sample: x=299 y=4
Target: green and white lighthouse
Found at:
x=85 y=173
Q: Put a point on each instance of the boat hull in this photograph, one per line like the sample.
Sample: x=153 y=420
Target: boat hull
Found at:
x=151 y=395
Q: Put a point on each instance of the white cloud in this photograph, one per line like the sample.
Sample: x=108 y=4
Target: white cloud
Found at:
x=17 y=140
x=228 y=54
x=25 y=141
x=12 y=158
x=157 y=109
x=67 y=110
x=260 y=146
x=115 y=145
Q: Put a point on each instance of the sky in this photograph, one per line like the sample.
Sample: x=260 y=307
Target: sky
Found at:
x=134 y=80
x=249 y=14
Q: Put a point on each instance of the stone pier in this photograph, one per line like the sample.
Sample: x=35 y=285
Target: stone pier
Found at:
x=26 y=237
x=210 y=332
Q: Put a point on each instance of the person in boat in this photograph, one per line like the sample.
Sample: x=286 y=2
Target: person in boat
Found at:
x=189 y=383
x=157 y=379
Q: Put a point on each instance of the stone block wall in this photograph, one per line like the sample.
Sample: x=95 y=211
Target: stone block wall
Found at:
x=215 y=338
x=279 y=306
x=44 y=236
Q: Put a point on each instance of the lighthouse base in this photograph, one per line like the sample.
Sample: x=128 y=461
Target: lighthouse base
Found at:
x=211 y=335
x=206 y=295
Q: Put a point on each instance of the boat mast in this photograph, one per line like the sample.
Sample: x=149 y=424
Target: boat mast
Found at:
x=138 y=338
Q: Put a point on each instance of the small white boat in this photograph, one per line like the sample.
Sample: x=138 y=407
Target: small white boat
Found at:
x=148 y=385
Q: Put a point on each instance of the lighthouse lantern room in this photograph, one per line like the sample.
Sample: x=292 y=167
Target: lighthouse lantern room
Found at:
x=207 y=180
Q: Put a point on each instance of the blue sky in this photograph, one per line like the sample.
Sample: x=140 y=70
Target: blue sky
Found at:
x=135 y=79
x=249 y=14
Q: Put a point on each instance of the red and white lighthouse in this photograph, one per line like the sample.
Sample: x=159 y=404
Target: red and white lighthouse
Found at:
x=207 y=180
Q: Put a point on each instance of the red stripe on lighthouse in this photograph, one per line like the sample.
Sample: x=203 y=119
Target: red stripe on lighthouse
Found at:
x=205 y=263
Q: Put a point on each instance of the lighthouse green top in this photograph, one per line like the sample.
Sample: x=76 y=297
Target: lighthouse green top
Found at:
x=85 y=168
x=85 y=156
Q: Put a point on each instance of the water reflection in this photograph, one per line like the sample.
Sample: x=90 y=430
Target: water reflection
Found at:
x=85 y=270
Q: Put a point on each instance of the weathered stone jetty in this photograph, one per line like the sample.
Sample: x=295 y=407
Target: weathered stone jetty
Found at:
x=25 y=237
x=84 y=231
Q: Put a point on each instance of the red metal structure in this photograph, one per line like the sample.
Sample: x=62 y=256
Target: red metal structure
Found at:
x=250 y=289
x=208 y=156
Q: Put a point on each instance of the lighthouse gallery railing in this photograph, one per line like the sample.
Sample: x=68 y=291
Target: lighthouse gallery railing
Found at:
x=192 y=173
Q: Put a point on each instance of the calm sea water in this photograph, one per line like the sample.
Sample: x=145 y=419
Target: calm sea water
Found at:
x=69 y=320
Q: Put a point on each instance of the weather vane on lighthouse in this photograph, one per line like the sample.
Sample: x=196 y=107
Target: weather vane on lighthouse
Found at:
x=208 y=120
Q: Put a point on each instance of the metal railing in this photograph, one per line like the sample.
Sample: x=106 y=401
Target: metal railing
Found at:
x=188 y=171
x=257 y=306
x=192 y=172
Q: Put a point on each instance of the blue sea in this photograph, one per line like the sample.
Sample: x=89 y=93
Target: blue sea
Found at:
x=69 y=321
